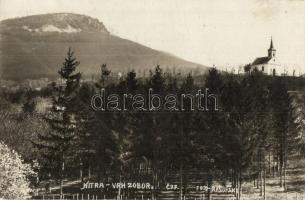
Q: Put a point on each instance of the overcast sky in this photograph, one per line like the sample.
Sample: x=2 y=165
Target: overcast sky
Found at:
x=210 y=32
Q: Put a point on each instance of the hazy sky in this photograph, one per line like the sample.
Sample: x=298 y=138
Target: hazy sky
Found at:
x=220 y=32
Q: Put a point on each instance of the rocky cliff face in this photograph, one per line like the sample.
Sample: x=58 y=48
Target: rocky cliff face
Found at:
x=52 y=23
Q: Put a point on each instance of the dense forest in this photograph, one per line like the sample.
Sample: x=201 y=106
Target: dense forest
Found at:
x=257 y=127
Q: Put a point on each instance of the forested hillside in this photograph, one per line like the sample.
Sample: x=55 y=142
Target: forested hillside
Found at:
x=250 y=138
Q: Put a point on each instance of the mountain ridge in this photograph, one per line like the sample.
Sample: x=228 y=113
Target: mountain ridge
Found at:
x=59 y=19
x=35 y=46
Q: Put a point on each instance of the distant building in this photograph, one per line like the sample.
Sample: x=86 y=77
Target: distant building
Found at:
x=269 y=65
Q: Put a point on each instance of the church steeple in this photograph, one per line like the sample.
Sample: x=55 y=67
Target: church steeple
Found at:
x=271 y=50
x=271 y=44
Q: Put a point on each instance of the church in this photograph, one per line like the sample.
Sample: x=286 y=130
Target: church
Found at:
x=269 y=65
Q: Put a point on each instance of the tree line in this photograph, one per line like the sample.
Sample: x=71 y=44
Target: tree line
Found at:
x=249 y=138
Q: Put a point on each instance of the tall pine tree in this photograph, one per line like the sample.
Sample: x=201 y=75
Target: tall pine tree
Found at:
x=58 y=143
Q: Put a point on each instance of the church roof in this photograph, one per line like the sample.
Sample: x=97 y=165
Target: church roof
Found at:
x=261 y=60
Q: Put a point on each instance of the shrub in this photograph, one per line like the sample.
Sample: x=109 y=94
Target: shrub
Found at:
x=14 y=174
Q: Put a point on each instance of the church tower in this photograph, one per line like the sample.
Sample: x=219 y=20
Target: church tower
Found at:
x=271 y=50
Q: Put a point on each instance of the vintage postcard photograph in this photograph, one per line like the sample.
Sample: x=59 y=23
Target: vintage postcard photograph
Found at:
x=152 y=99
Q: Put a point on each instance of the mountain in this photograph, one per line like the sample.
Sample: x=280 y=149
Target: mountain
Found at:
x=35 y=46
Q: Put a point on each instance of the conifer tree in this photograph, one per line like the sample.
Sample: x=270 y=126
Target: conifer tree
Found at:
x=250 y=127
x=211 y=130
x=105 y=72
x=280 y=106
x=131 y=121
x=58 y=143
x=87 y=142
x=151 y=137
